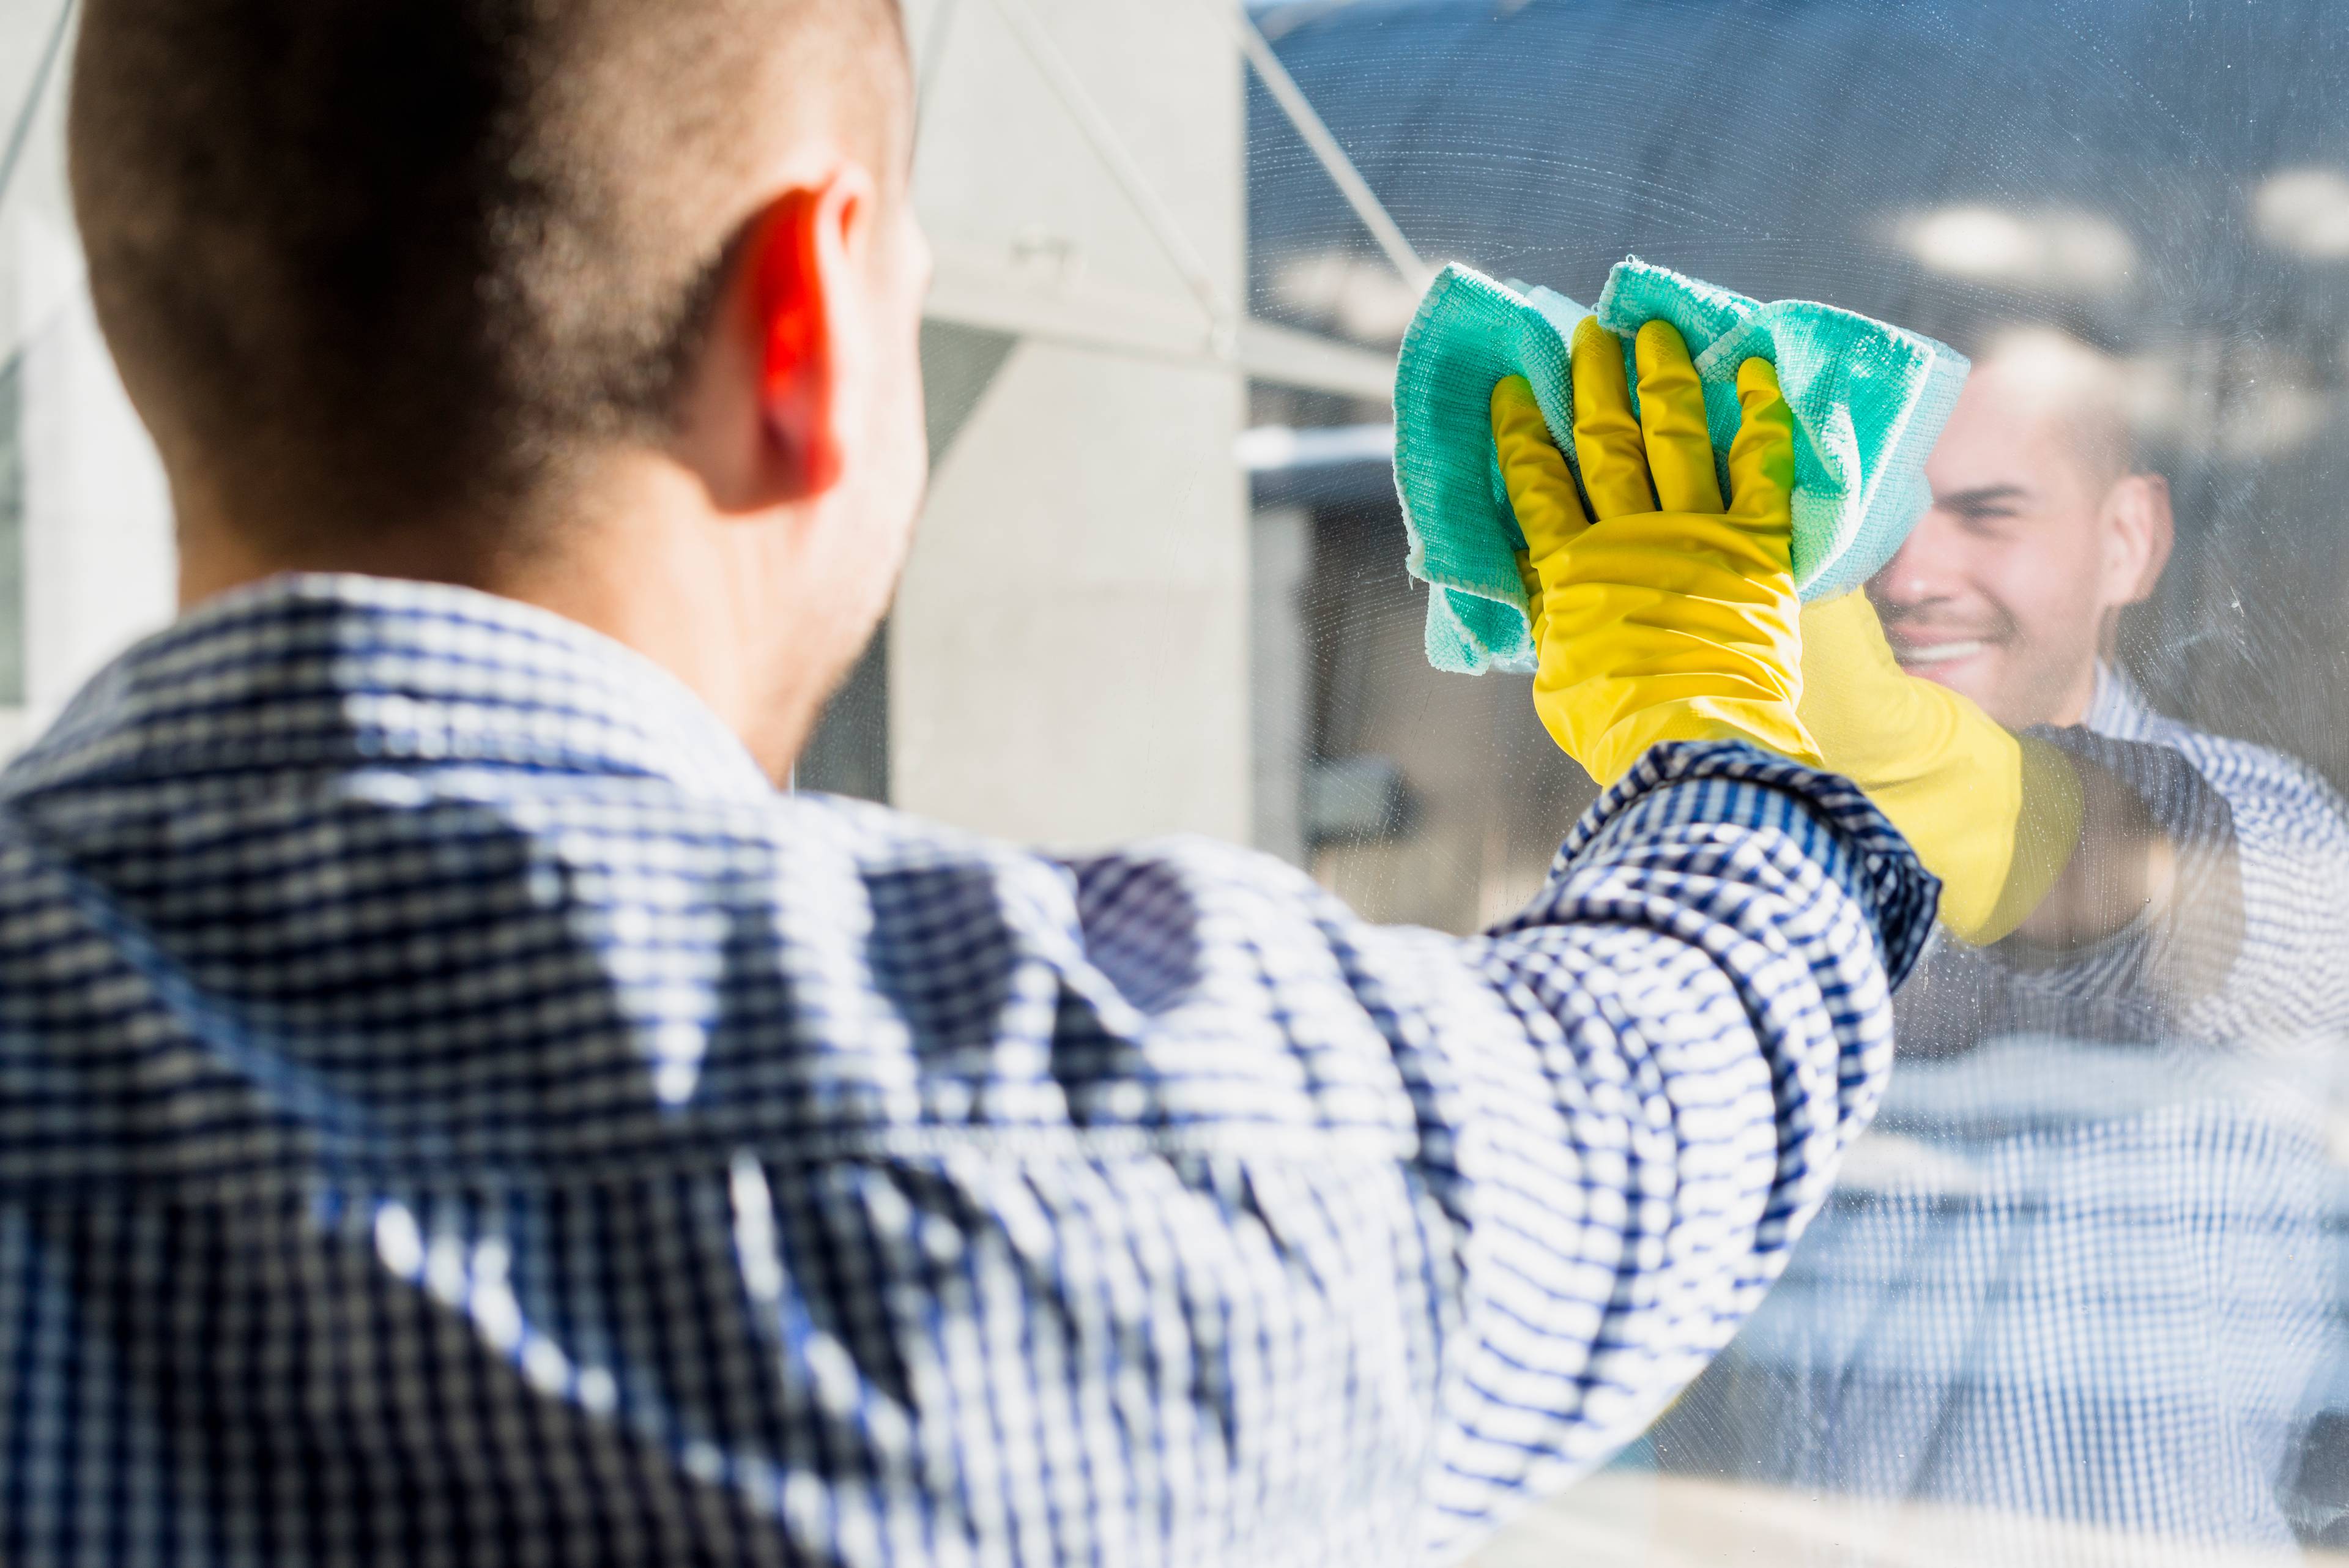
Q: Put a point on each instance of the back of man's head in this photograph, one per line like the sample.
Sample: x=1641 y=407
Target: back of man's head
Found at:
x=375 y=263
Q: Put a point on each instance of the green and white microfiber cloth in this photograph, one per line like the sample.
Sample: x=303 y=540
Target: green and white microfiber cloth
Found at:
x=1868 y=400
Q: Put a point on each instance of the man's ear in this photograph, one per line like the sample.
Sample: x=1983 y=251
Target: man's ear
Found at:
x=2139 y=531
x=804 y=270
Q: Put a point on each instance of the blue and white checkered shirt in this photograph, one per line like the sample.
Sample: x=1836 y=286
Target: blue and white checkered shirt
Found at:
x=2087 y=1266
x=453 y=1111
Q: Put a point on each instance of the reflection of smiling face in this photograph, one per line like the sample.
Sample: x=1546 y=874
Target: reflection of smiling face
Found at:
x=2037 y=535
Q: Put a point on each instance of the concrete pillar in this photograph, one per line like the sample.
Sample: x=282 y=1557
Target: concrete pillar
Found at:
x=1068 y=661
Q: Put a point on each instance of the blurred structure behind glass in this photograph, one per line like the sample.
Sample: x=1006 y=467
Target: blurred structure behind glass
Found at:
x=1069 y=655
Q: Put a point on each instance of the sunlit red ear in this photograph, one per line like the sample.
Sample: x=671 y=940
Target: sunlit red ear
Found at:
x=798 y=381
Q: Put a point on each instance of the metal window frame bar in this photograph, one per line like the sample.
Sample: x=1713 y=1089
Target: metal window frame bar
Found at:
x=1308 y=124
x=1263 y=350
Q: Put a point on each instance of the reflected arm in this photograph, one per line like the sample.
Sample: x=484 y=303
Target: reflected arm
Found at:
x=2048 y=843
x=2126 y=867
x=2224 y=864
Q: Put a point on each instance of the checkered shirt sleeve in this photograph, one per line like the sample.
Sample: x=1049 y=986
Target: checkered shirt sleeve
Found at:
x=452 y=1112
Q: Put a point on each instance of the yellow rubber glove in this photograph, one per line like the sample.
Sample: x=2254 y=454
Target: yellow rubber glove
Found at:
x=1994 y=816
x=1673 y=617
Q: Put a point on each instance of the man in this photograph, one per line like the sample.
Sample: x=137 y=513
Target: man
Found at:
x=453 y=1110
x=2084 y=1268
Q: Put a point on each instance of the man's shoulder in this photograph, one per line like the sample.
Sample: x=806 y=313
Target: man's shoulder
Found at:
x=2247 y=774
x=2257 y=779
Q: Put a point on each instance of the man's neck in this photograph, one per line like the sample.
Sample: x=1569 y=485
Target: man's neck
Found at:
x=696 y=600
x=2079 y=696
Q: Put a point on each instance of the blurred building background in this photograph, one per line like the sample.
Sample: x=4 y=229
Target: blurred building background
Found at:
x=1069 y=660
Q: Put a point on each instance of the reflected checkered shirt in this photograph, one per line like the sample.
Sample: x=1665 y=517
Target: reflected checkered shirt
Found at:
x=2088 y=1265
x=452 y=1111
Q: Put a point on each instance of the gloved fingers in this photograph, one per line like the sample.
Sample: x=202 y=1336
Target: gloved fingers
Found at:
x=1671 y=418
x=1762 y=457
x=1606 y=436
x=1540 y=486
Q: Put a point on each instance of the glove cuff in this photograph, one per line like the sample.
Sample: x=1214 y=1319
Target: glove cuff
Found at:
x=1757 y=721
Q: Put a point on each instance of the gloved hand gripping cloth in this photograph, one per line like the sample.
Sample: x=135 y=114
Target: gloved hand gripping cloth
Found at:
x=1869 y=402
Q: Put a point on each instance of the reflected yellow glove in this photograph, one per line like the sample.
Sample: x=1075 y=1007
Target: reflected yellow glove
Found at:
x=1673 y=617
x=1995 y=816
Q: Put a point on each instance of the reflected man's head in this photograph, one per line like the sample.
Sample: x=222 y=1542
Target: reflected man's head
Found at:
x=2042 y=529
x=440 y=286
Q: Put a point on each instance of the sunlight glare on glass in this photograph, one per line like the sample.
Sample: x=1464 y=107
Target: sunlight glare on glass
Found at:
x=2305 y=212
x=2062 y=249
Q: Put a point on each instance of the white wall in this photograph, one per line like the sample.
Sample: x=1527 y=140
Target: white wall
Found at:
x=1069 y=656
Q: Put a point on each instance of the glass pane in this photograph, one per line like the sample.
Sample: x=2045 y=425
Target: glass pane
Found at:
x=2078 y=1297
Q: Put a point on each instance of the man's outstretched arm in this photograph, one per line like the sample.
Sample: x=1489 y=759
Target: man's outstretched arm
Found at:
x=1224 y=1225
x=1693 y=1023
x=726 y=1177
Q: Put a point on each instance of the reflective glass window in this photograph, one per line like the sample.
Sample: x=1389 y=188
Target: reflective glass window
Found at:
x=2078 y=1296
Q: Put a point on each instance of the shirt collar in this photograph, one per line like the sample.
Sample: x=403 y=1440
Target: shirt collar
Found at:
x=321 y=671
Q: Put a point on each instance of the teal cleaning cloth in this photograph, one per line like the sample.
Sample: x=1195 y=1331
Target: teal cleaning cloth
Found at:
x=1868 y=400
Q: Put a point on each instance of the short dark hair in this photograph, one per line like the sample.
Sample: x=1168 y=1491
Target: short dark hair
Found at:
x=380 y=261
